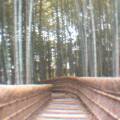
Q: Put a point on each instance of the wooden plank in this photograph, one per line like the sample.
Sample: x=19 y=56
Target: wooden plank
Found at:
x=63 y=108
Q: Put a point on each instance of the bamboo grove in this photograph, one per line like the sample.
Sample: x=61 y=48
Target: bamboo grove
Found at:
x=42 y=39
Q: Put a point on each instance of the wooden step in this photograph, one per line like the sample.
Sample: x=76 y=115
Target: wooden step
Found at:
x=63 y=107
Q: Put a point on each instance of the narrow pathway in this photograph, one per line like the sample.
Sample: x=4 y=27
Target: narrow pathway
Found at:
x=63 y=107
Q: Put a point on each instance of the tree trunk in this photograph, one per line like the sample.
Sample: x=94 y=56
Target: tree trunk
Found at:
x=20 y=42
x=94 y=71
x=16 y=48
x=59 y=62
x=116 y=44
x=3 y=48
x=85 y=69
x=29 y=60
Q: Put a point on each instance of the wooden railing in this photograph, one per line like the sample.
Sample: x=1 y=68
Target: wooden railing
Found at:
x=20 y=101
x=100 y=95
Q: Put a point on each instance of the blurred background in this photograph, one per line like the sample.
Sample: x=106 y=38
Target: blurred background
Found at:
x=43 y=39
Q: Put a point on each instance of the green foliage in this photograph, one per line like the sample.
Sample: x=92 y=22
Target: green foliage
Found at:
x=59 y=31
